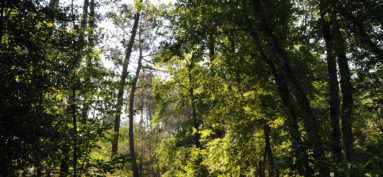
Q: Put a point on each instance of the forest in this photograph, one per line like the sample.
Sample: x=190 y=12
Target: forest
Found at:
x=194 y=88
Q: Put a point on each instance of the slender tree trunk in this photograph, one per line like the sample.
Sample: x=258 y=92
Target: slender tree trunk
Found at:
x=85 y=105
x=309 y=120
x=73 y=89
x=85 y=110
x=290 y=110
x=88 y=62
x=211 y=46
x=292 y=121
x=2 y=19
x=346 y=88
x=120 y=95
x=64 y=167
x=152 y=160
x=268 y=156
x=84 y=14
x=92 y=15
x=334 y=85
x=260 y=170
x=74 y=132
x=131 y=116
x=195 y=120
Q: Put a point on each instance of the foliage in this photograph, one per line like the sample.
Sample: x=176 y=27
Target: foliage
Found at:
x=226 y=88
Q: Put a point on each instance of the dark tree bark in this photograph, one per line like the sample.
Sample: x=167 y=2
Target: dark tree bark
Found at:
x=84 y=14
x=74 y=119
x=289 y=108
x=260 y=170
x=84 y=19
x=346 y=87
x=211 y=47
x=74 y=86
x=64 y=166
x=2 y=19
x=292 y=121
x=131 y=116
x=268 y=154
x=333 y=83
x=92 y=14
x=120 y=94
x=195 y=120
x=309 y=120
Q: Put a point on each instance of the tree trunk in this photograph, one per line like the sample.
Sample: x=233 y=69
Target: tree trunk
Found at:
x=92 y=14
x=309 y=120
x=64 y=167
x=290 y=110
x=2 y=19
x=268 y=156
x=74 y=133
x=194 y=117
x=131 y=116
x=292 y=122
x=120 y=95
x=334 y=85
x=260 y=170
x=73 y=100
x=211 y=47
x=85 y=105
x=84 y=14
x=346 y=87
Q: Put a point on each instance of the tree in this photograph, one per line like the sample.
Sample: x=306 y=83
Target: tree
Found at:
x=333 y=83
x=123 y=78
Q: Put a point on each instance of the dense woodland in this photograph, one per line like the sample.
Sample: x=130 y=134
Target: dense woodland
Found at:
x=191 y=88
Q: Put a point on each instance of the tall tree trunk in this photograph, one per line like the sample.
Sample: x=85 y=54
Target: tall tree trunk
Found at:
x=92 y=14
x=120 y=95
x=292 y=122
x=260 y=170
x=346 y=88
x=73 y=88
x=64 y=166
x=2 y=19
x=334 y=85
x=289 y=108
x=194 y=117
x=309 y=120
x=74 y=122
x=131 y=116
x=268 y=155
x=211 y=47
x=85 y=105
x=88 y=62
x=84 y=14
